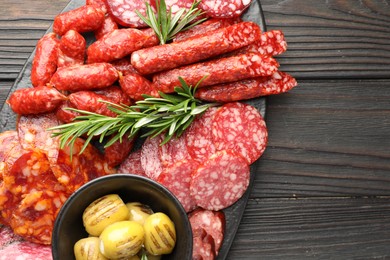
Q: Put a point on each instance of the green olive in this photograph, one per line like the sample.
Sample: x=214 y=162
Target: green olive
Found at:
x=160 y=234
x=122 y=239
x=138 y=211
x=88 y=249
x=103 y=212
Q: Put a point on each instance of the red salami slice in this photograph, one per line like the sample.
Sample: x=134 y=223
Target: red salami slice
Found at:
x=132 y=164
x=123 y=11
x=220 y=181
x=224 y=8
x=240 y=127
x=198 y=136
x=210 y=222
x=175 y=5
x=176 y=178
x=203 y=246
x=150 y=157
x=173 y=151
x=13 y=247
x=10 y=150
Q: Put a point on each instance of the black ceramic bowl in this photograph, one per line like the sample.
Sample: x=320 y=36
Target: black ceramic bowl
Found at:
x=68 y=227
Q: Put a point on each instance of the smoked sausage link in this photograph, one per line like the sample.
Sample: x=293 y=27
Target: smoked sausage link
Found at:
x=84 y=77
x=37 y=100
x=71 y=49
x=115 y=45
x=218 y=71
x=83 y=19
x=207 y=45
x=45 y=60
x=135 y=85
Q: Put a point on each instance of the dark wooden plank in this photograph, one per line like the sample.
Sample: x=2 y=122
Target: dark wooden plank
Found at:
x=21 y=26
x=314 y=228
x=327 y=138
x=333 y=39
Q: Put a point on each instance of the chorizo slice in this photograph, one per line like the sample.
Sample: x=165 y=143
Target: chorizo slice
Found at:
x=176 y=178
x=44 y=63
x=42 y=99
x=10 y=150
x=278 y=83
x=220 y=181
x=204 y=46
x=8 y=203
x=240 y=127
x=86 y=18
x=218 y=71
x=84 y=77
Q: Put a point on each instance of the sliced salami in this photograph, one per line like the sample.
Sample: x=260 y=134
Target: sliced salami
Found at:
x=198 y=136
x=123 y=12
x=176 y=178
x=13 y=247
x=220 y=181
x=203 y=246
x=132 y=164
x=173 y=151
x=175 y=5
x=150 y=157
x=210 y=222
x=224 y=8
x=240 y=127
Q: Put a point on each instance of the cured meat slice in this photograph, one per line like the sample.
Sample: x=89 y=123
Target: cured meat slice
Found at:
x=204 y=46
x=176 y=178
x=272 y=43
x=135 y=85
x=240 y=127
x=13 y=247
x=86 y=18
x=8 y=202
x=132 y=164
x=218 y=71
x=224 y=8
x=150 y=157
x=97 y=3
x=210 y=222
x=73 y=169
x=116 y=45
x=42 y=99
x=10 y=150
x=207 y=26
x=173 y=151
x=116 y=153
x=220 y=181
x=123 y=11
x=34 y=217
x=198 y=136
x=31 y=172
x=203 y=246
x=33 y=133
x=175 y=5
x=45 y=60
x=278 y=83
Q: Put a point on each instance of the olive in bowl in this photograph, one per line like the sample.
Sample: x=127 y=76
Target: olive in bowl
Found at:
x=69 y=226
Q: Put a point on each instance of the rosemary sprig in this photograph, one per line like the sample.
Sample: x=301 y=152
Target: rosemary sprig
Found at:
x=170 y=113
x=164 y=25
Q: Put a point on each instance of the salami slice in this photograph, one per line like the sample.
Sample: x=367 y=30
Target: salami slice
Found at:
x=198 y=136
x=10 y=150
x=150 y=157
x=13 y=247
x=173 y=151
x=123 y=12
x=210 y=222
x=176 y=178
x=203 y=246
x=175 y=5
x=224 y=8
x=220 y=181
x=132 y=164
x=241 y=128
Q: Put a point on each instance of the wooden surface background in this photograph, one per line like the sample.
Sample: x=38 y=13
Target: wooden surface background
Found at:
x=323 y=186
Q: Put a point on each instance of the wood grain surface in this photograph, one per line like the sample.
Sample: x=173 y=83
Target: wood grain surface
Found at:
x=322 y=190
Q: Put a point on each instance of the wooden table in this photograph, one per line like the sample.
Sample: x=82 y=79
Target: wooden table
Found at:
x=323 y=186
